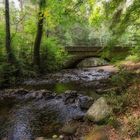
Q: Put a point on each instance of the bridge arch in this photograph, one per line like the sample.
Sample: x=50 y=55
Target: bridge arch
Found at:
x=75 y=60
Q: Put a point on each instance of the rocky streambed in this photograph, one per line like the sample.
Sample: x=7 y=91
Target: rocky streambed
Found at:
x=88 y=80
x=33 y=110
x=43 y=106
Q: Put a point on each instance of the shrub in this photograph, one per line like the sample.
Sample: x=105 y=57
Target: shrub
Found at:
x=8 y=75
x=52 y=54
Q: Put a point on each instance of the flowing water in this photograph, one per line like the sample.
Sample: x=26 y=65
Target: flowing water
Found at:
x=45 y=104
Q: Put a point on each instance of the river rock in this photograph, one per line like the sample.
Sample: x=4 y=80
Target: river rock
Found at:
x=99 y=111
x=54 y=136
x=85 y=102
x=61 y=136
x=69 y=129
x=70 y=97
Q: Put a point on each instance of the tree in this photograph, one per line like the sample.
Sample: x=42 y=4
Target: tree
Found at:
x=59 y=14
x=10 y=55
x=21 y=4
x=36 y=56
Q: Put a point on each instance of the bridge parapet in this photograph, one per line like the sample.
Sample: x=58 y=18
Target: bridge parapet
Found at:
x=93 y=49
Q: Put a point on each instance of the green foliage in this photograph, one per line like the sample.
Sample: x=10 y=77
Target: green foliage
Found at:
x=52 y=54
x=134 y=57
x=2 y=39
x=79 y=34
x=116 y=101
x=112 y=120
x=122 y=78
x=125 y=96
x=22 y=39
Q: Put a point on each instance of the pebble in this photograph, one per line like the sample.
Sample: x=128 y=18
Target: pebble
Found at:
x=61 y=136
x=54 y=136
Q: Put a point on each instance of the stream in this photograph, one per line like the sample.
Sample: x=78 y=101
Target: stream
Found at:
x=40 y=107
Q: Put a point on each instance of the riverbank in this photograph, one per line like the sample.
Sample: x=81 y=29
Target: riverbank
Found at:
x=74 y=93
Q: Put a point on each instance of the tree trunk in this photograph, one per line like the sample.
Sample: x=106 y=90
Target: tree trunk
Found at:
x=10 y=56
x=36 y=57
x=21 y=14
x=21 y=5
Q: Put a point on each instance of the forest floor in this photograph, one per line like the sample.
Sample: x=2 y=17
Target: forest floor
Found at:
x=125 y=127
x=126 y=123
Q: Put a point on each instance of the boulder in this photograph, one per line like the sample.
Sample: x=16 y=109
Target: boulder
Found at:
x=99 y=111
x=69 y=129
x=92 y=62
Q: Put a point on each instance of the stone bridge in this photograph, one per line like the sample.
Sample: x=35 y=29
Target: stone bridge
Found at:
x=78 y=54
